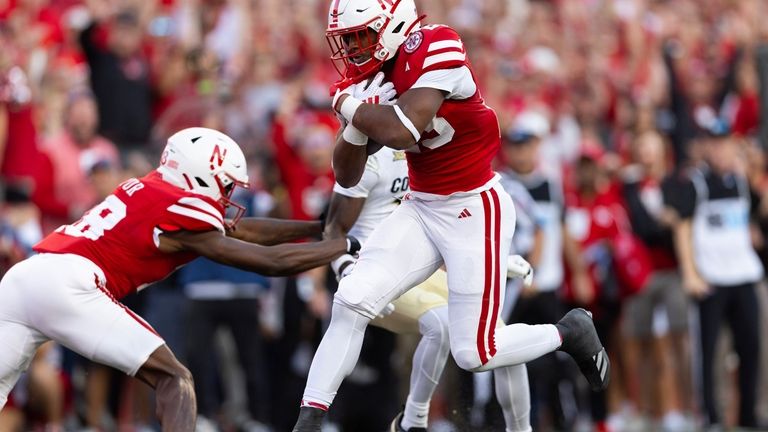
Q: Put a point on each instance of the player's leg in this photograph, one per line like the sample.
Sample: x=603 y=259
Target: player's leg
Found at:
x=423 y=309
x=475 y=271
x=19 y=346
x=396 y=257
x=174 y=390
x=475 y=251
x=73 y=308
x=514 y=396
x=19 y=339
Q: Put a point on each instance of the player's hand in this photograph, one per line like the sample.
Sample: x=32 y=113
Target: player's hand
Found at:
x=518 y=267
x=388 y=309
x=376 y=91
x=342 y=266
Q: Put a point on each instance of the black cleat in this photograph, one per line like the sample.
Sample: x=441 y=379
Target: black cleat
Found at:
x=580 y=340
x=310 y=420
x=396 y=427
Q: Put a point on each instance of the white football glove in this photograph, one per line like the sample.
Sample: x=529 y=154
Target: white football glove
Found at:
x=376 y=91
x=388 y=309
x=369 y=91
x=343 y=265
x=518 y=267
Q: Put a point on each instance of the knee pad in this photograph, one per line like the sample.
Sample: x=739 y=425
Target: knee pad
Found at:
x=353 y=293
x=434 y=324
x=467 y=358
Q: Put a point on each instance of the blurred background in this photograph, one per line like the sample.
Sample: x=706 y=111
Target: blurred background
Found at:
x=635 y=114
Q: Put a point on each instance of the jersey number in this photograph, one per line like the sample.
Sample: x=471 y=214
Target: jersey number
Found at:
x=437 y=134
x=97 y=220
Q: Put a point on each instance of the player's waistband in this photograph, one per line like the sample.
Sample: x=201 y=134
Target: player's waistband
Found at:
x=424 y=196
x=75 y=261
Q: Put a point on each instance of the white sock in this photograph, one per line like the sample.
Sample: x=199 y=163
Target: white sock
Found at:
x=428 y=363
x=514 y=397
x=415 y=415
x=335 y=357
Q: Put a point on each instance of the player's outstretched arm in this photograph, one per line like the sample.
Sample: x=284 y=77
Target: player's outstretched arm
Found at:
x=281 y=260
x=269 y=231
x=396 y=126
x=343 y=212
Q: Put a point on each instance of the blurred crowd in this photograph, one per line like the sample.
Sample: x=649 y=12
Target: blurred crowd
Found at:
x=635 y=125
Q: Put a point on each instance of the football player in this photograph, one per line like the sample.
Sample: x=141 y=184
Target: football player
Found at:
x=423 y=309
x=423 y=99
x=146 y=229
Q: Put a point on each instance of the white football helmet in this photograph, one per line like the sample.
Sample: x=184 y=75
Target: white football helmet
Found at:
x=350 y=20
x=206 y=162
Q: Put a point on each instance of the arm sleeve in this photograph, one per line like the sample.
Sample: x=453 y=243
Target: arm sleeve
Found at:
x=363 y=188
x=457 y=82
x=445 y=51
x=193 y=214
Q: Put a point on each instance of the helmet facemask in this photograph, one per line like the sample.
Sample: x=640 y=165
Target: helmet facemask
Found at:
x=227 y=186
x=364 y=41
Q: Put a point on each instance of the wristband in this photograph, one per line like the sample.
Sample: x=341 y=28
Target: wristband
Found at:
x=349 y=107
x=406 y=122
x=353 y=136
x=353 y=245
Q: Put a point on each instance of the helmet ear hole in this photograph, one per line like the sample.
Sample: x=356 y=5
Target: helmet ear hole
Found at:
x=201 y=182
x=399 y=27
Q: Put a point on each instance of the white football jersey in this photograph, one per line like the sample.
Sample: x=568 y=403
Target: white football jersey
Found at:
x=383 y=184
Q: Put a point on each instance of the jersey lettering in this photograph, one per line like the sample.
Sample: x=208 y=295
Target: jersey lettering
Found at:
x=99 y=219
x=132 y=186
x=399 y=185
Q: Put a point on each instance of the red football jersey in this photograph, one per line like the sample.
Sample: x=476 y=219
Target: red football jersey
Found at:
x=121 y=235
x=456 y=150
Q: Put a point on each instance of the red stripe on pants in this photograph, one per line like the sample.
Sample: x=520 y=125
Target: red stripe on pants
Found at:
x=488 y=285
x=496 y=274
x=130 y=313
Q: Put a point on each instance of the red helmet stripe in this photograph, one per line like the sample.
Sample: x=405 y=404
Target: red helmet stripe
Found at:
x=334 y=15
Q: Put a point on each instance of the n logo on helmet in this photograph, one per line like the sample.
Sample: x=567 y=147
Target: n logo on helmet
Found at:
x=217 y=156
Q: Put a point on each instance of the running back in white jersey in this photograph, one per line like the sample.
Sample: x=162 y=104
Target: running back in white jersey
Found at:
x=383 y=184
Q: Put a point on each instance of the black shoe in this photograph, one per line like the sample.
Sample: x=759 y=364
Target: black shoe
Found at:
x=396 y=427
x=310 y=420
x=580 y=340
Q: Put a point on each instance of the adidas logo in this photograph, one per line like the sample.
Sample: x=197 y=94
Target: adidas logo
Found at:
x=601 y=362
x=464 y=214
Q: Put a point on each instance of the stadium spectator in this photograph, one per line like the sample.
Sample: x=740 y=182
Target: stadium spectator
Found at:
x=656 y=319
x=720 y=268
x=120 y=75
x=72 y=151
